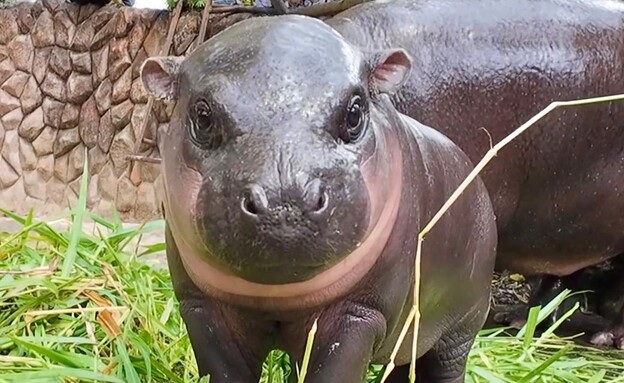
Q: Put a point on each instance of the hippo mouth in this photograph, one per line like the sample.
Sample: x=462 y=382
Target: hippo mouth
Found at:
x=328 y=284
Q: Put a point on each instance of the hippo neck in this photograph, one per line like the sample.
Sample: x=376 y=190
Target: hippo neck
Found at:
x=320 y=289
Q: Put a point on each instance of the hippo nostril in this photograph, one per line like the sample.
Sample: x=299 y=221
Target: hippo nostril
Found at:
x=249 y=206
x=254 y=201
x=321 y=204
x=316 y=196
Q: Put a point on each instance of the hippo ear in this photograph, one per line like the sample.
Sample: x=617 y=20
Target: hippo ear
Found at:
x=389 y=70
x=160 y=76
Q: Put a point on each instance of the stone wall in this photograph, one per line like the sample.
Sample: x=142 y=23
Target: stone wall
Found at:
x=70 y=86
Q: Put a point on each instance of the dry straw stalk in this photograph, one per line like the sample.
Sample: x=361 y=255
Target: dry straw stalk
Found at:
x=415 y=312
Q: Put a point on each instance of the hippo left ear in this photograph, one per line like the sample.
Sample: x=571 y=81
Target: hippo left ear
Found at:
x=389 y=70
x=160 y=76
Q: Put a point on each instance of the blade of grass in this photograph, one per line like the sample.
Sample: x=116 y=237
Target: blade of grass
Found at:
x=65 y=358
x=60 y=373
x=131 y=375
x=544 y=365
x=598 y=377
x=76 y=229
x=531 y=326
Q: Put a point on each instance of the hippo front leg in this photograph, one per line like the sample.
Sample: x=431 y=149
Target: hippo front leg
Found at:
x=343 y=345
x=444 y=363
x=226 y=346
x=225 y=355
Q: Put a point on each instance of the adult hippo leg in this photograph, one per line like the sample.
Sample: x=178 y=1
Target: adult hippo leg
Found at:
x=614 y=336
x=550 y=286
x=612 y=306
x=602 y=302
x=220 y=339
x=544 y=289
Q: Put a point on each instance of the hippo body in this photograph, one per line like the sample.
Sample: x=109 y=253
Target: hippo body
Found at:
x=482 y=68
x=293 y=195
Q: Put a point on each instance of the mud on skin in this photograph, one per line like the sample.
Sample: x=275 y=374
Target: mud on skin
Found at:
x=484 y=68
x=293 y=194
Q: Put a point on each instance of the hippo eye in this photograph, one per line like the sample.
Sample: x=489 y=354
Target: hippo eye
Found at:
x=202 y=127
x=354 y=120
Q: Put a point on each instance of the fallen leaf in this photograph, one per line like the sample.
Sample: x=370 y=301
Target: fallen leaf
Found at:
x=110 y=321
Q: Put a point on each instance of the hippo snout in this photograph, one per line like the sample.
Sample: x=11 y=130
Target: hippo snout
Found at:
x=313 y=200
x=278 y=227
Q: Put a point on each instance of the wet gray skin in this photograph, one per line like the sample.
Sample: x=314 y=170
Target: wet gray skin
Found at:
x=272 y=174
x=485 y=67
x=294 y=191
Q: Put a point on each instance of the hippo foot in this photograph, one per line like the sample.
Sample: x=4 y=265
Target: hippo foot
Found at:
x=515 y=318
x=613 y=337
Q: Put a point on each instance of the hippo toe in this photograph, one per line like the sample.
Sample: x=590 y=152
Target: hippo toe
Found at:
x=613 y=337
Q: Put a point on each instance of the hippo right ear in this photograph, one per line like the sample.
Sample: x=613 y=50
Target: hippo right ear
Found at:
x=160 y=76
x=390 y=69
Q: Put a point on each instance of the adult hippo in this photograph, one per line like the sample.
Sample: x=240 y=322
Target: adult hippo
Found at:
x=484 y=67
x=293 y=190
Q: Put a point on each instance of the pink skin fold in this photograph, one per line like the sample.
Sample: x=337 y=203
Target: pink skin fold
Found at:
x=382 y=174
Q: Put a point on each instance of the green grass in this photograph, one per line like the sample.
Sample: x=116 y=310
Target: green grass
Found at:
x=78 y=307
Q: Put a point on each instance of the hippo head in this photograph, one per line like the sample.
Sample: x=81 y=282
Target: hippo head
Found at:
x=281 y=169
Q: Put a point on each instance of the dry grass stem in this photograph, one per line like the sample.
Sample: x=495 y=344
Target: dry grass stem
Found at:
x=201 y=36
x=390 y=366
x=150 y=101
x=75 y=311
x=451 y=200
x=137 y=158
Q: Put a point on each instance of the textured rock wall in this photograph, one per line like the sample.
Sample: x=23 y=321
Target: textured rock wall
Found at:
x=70 y=89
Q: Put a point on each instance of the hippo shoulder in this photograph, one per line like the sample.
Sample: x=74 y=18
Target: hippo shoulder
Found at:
x=432 y=142
x=445 y=167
